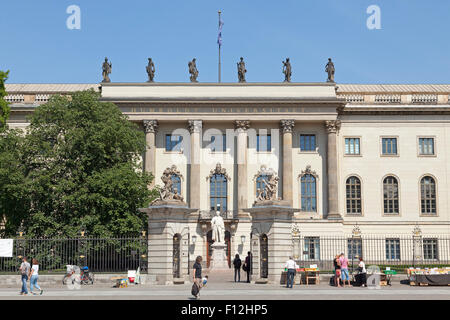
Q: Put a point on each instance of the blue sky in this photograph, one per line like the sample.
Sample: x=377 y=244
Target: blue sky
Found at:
x=412 y=47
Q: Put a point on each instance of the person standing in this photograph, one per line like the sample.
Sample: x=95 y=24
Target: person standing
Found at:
x=197 y=275
x=237 y=267
x=34 y=276
x=290 y=266
x=248 y=265
x=337 y=271
x=344 y=269
x=24 y=270
x=362 y=276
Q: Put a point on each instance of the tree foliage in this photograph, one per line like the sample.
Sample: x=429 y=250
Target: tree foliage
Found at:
x=4 y=106
x=80 y=167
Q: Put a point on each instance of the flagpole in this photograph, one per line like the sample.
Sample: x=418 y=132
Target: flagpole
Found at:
x=219 y=48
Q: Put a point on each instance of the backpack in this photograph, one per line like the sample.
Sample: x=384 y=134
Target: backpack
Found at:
x=194 y=290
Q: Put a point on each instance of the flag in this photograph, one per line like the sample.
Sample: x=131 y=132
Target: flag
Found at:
x=219 y=36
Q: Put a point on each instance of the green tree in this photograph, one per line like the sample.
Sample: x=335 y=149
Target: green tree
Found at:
x=4 y=106
x=81 y=170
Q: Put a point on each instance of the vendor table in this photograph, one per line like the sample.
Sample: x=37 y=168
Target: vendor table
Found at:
x=430 y=279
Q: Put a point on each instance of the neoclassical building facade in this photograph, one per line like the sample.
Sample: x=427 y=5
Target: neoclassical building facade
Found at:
x=371 y=158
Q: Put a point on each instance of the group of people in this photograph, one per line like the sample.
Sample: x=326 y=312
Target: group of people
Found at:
x=247 y=266
x=199 y=281
x=341 y=271
x=30 y=272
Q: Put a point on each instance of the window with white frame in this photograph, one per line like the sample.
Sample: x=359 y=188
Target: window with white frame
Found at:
x=389 y=146
x=307 y=142
x=426 y=146
x=393 y=249
x=352 y=146
x=428 y=195
x=430 y=249
x=312 y=248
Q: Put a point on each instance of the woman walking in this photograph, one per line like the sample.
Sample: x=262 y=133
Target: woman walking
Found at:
x=197 y=277
x=237 y=268
x=34 y=276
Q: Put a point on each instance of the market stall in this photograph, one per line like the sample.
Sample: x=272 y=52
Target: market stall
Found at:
x=434 y=277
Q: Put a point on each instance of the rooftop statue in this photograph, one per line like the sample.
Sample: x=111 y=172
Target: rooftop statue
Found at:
x=269 y=181
x=150 y=70
x=168 y=193
x=329 y=68
x=241 y=70
x=193 y=70
x=287 y=70
x=106 y=67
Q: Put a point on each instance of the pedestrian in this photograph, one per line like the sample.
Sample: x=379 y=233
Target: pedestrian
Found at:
x=237 y=267
x=362 y=273
x=247 y=267
x=344 y=269
x=24 y=270
x=290 y=267
x=337 y=271
x=197 y=277
x=34 y=276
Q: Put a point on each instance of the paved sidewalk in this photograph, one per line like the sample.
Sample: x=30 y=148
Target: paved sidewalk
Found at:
x=237 y=291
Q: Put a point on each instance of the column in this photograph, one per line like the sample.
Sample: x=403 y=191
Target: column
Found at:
x=195 y=128
x=287 y=127
x=332 y=127
x=150 y=128
x=242 y=189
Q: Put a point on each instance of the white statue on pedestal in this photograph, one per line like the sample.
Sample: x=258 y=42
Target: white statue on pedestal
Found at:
x=218 y=228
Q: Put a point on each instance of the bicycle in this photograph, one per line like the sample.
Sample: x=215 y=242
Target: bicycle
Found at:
x=77 y=275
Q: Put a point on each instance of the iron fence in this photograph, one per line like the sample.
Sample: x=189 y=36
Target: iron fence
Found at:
x=397 y=251
x=99 y=254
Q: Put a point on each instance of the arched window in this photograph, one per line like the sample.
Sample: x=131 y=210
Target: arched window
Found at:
x=176 y=183
x=260 y=184
x=353 y=195
x=308 y=193
x=390 y=195
x=218 y=191
x=428 y=195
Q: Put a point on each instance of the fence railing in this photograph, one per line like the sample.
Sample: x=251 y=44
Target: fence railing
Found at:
x=99 y=254
x=398 y=252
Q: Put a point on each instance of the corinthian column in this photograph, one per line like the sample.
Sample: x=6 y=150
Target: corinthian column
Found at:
x=332 y=173
x=287 y=126
x=195 y=128
x=150 y=128
x=242 y=190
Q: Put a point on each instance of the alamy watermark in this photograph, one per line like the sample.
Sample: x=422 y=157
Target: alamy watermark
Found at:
x=374 y=20
x=73 y=22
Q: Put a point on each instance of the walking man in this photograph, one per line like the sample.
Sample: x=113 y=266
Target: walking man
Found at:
x=344 y=269
x=291 y=267
x=24 y=270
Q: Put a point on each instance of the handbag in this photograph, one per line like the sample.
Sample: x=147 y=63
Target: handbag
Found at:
x=244 y=267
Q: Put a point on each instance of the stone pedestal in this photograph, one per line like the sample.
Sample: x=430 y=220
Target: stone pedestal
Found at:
x=167 y=220
x=218 y=258
x=271 y=231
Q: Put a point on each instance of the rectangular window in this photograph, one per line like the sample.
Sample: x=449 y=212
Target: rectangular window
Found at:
x=389 y=146
x=430 y=249
x=354 y=247
x=352 y=146
x=426 y=146
x=312 y=248
x=219 y=143
x=393 y=249
x=173 y=142
x=307 y=142
x=263 y=143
